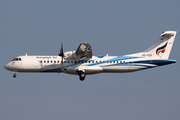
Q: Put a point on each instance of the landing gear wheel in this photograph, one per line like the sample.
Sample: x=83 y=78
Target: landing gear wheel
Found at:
x=82 y=78
x=81 y=75
x=14 y=76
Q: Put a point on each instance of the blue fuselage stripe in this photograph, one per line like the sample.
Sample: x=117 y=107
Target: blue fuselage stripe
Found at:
x=133 y=62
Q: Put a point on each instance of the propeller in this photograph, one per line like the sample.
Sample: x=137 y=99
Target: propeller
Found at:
x=61 y=53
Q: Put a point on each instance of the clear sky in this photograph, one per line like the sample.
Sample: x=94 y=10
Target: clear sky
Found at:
x=113 y=27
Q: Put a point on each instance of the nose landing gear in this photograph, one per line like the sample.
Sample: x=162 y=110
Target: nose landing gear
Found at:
x=14 y=74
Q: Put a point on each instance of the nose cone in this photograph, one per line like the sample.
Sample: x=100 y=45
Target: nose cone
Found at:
x=7 y=66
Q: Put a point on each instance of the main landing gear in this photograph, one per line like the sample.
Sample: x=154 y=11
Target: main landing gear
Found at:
x=14 y=74
x=81 y=75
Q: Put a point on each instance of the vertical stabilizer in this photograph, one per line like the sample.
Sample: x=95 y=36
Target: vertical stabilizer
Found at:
x=162 y=48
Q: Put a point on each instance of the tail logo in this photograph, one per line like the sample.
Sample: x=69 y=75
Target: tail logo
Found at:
x=161 y=49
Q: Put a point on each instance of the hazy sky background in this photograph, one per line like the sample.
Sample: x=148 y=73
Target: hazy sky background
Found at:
x=114 y=27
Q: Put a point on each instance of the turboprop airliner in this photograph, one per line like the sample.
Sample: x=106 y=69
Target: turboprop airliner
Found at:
x=82 y=62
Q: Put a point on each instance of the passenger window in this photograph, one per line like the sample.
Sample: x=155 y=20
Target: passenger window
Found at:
x=106 y=61
x=54 y=61
x=124 y=62
x=44 y=61
x=48 y=61
x=71 y=61
x=51 y=61
x=89 y=61
x=40 y=61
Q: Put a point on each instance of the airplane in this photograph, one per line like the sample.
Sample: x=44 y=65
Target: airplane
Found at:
x=82 y=62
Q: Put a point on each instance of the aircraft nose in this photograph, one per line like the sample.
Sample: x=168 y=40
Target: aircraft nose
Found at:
x=7 y=66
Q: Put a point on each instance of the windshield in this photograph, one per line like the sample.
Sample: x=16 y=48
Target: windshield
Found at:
x=17 y=59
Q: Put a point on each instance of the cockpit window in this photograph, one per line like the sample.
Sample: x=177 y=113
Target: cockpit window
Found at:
x=17 y=59
x=14 y=59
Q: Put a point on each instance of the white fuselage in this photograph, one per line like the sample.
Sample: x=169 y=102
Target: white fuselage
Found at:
x=97 y=64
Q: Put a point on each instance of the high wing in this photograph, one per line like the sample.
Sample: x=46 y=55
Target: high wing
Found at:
x=84 y=50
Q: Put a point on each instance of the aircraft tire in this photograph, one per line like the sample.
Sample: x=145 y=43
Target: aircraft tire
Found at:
x=14 y=76
x=82 y=76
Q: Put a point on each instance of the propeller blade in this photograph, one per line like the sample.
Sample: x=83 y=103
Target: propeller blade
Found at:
x=61 y=53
